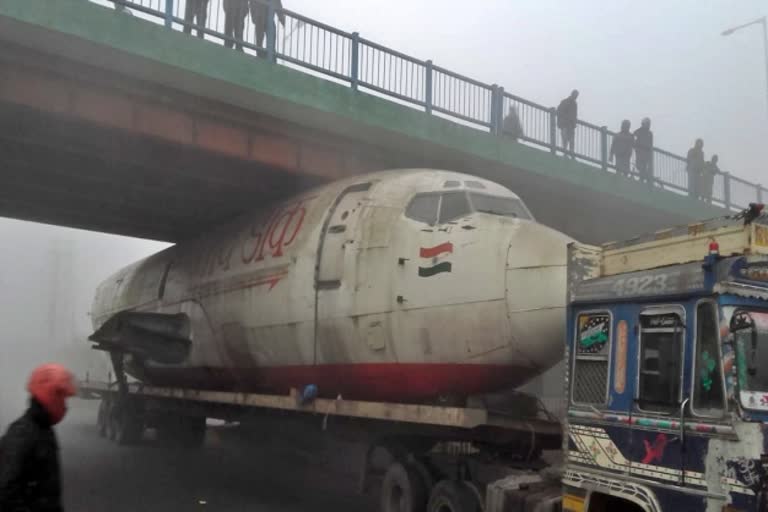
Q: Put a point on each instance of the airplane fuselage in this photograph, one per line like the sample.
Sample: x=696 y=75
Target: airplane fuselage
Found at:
x=401 y=285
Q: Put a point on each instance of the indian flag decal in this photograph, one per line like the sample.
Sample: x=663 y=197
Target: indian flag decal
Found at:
x=434 y=254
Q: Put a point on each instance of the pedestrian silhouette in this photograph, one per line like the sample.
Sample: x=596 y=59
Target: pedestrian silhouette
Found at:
x=512 y=127
x=710 y=170
x=695 y=166
x=644 y=151
x=30 y=478
x=261 y=22
x=567 y=115
x=235 y=12
x=621 y=148
x=195 y=13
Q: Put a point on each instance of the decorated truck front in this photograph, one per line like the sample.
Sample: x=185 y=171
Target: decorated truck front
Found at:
x=667 y=382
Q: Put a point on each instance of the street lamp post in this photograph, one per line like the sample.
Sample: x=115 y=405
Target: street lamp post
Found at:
x=764 y=22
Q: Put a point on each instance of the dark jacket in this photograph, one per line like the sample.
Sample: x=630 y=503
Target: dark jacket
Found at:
x=567 y=113
x=643 y=140
x=29 y=464
x=237 y=8
x=260 y=9
x=512 y=126
x=622 y=145
x=695 y=160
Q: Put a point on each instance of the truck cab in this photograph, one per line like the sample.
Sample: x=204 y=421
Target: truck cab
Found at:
x=667 y=380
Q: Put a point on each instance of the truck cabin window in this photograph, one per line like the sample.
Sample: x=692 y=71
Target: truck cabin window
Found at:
x=661 y=344
x=708 y=396
x=750 y=335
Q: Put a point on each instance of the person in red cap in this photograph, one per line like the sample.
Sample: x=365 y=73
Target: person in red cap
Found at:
x=29 y=453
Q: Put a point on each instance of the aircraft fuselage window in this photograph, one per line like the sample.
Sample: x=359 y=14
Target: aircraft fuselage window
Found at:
x=453 y=206
x=423 y=208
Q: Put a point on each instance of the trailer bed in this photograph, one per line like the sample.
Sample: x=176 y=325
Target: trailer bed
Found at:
x=434 y=415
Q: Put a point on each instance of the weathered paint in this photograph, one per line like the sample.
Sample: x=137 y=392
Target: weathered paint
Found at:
x=327 y=288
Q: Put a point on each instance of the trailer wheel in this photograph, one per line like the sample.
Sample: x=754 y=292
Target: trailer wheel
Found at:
x=452 y=496
x=109 y=423
x=403 y=489
x=125 y=422
x=101 y=417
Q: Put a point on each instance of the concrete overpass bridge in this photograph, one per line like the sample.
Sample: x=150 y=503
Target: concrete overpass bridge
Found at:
x=123 y=124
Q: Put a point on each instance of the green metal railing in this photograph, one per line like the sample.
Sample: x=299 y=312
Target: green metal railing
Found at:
x=314 y=47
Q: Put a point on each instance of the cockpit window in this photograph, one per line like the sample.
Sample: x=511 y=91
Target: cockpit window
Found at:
x=453 y=206
x=474 y=184
x=451 y=184
x=496 y=205
x=423 y=208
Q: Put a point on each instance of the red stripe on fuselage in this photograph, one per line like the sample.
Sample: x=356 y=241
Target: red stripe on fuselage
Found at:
x=418 y=382
x=431 y=252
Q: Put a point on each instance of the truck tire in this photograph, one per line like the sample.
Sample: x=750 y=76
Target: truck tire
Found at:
x=109 y=423
x=452 y=496
x=403 y=489
x=127 y=425
x=101 y=417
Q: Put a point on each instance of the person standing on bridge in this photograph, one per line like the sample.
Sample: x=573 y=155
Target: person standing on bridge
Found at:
x=644 y=151
x=708 y=174
x=621 y=148
x=235 y=12
x=30 y=479
x=512 y=127
x=195 y=10
x=567 y=115
x=695 y=167
x=260 y=17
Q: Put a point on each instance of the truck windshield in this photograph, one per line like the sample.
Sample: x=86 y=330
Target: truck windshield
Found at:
x=750 y=335
x=496 y=205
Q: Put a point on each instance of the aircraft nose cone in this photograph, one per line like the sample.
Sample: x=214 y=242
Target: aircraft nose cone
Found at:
x=536 y=293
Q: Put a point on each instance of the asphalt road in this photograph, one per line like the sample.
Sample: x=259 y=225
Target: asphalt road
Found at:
x=228 y=474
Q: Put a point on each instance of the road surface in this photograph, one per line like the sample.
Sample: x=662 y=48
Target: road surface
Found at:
x=229 y=474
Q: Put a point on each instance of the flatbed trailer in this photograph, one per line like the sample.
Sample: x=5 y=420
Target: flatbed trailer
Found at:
x=424 y=457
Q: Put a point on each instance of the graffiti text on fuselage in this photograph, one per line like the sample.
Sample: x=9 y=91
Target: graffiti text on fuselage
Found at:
x=265 y=239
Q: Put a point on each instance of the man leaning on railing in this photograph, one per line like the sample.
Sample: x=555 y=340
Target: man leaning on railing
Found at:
x=710 y=170
x=512 y=127
x=260 y=17
x=567 y=115
x=695 y=166
x=621 y=148
x=644 y=151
